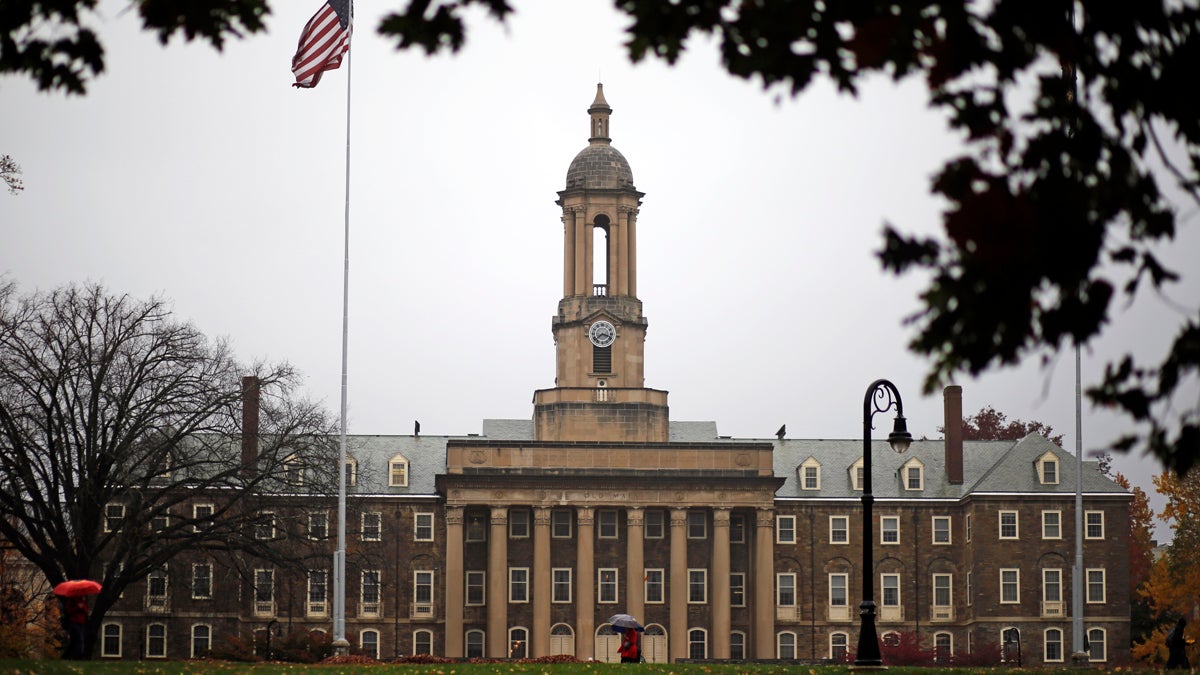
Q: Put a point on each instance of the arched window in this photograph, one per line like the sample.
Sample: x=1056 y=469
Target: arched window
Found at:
x=785 y=645
x=562 y=640
x=201 y=639
x=475 y=644
x=697 y=643
x=1097 y=644
x=600 y=255
x=737 y=645
x=368 y=641
x=422 y=642
x=110 y=640
x=1053 y=645
x=838 y=646
x=943 y=647
x=156 y=641
x=1010 y=645
x=518 y=643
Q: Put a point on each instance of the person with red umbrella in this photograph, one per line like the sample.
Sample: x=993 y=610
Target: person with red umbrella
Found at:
x=73 y=595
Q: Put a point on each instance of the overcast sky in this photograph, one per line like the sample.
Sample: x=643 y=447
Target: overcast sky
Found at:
x=205 y=178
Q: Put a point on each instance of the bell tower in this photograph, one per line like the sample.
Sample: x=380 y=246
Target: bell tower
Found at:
x=599 y=332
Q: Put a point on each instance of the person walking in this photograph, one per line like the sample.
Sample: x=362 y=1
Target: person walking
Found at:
x=629 y=646
x=75 y=614
x=1177 y=644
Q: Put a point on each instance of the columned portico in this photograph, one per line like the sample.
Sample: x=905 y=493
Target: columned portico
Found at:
x=719 y=636
x=497 y=583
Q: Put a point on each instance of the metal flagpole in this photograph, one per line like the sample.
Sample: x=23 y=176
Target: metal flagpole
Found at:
x=1077 y=585
x=340 y=644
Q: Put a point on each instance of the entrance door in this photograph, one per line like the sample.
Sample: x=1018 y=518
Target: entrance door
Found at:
x=654 y=644
x=562 y=640
x=608 y=641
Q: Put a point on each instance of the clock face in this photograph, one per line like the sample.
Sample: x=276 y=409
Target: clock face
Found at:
x=602 y=333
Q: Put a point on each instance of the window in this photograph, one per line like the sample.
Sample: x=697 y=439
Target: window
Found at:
x=697 y=643
x=839 y=529
x=1097 y=644
x=941 y=529
x=697 y=586
x=476 y=527
x=518 y=524
x=318 y=587
x=837 y=646
x=474 y=644
x=518 y=584
x=423 y=587
x=1047 y=468
x=607 y=524
x=113 y=517
x=890 y=583
x=942 y=590
x=970 y=525
x=837 y=590
x=785 y=529
x=561 y=584
x=1053 y=645
x=970 y=592
x=943 y=647
x=368 y=642
x=810 y=474
x=1008 y=525
x=560 y=524
x=518 y=643
x=697 y=525
x=398 y=471
x=264 y=592
x=202 y=515
x=369 y=595
x=889 y=529
x=654 y=526
x=737 y=645
x=422 y=642
x=737 y=589
x=159 y=522
x=1095 y=586
x=156 y=588
x=110 y=640
x=318 y=525
x=654 y=587
x=785 y=589
x=293 y=471
x=156 y=641
x=737 y=529
x=201 y=640
x=607 y=578
x=1051 y=524
x=423 y=527
x=914 y=475
x=372 y=526
x=1010 y=640
x=856 y=475
x=351 y=472
x=264 y=525
x=1052 y=585
x=476 y=588
x=1094 y=528
x=785 y=645
x=1010 y=589
x=201 y=581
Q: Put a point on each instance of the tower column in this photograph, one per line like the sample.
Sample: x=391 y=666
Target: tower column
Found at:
x=632 y=257
x=720 y=585
x=542 y=586
x=569 y=256
x=497 y=600
x=589 y=257
x=635 y=600
x=454 y=581
x=678 y=648
x=585 y=568
x=763 y=618
x=616 y=256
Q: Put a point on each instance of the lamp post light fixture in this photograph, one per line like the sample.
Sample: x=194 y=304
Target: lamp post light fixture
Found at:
x=881 y=397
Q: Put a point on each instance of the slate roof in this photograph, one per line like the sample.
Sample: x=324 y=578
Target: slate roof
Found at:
x=599 y=167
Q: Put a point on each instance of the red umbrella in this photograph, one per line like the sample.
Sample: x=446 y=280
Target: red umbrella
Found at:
x=77 y=588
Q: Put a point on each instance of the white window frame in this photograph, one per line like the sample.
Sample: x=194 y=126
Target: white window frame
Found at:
x=518 y=649
x=422 y=635
x=702 y=641
x=264 y=526
x=654 y=524
x=970 y=592
x=845 y=586
x=1103 y=585
x=737 y=589
x=351 y=471
x=475 y=643
x=883 y=589
x=373 y=651
x=608 y=592
x=907 y=474
x=518 y=523
x=948 y=530
x=949 y=637
x=1046 y=642
x=264 y=593
x=737 y=528
x=518 y=585
x=366 y=606
x=1087 y=524
x=839 y=640
x=780 y=638
x=1052 y=577
x=1015 y=584
x=1048 y=460
x=697 y=524
x=844 y=529
x=1016 y=525
x=196 y=517
x=1103 y=641
x=737 y=645
x=1047 y=525
x=655 y=577
x=475 y=579
x=317 y=586
x=607 y=524
x=697 y=579
x=318 y=525
x=158 y=599
x=969 y=525
x=889 y=525
x=208 y=639
x=785 y=529
x=424 y=581
x=423 y=529
x=813 y=467
x=856 y=475
x=562 y=591
x=949 y=589
x=398 y=478
x=786 y=580
x=151 y=653
x=561 y=526
x=368 y=531
x=208 y=593
x=106 y=635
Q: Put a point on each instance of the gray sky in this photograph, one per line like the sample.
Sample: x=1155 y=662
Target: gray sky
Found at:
x=206 y=178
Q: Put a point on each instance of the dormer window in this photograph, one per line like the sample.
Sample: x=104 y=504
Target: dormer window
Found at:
x=809 y=474
x=351 y=471
x=856 y=475
x=1047 y=468
x=293 y=471
x=913 y=475
x=398 y=471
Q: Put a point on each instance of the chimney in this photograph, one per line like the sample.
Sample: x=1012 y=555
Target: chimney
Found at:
x=250 y=390
x=952 y=396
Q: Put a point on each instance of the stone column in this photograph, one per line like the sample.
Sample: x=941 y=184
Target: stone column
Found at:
x=589 y=244
x=497 y=598
x=678 y=648
x=542 y=583
x=635 y=589
x=721 y=628
x=454 y=581
x=585 y=588
x=616 y=256
x=633 y=252
x=763 y=618
x=568 y=220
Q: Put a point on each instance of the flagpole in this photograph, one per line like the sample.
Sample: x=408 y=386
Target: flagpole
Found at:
x=340 y=644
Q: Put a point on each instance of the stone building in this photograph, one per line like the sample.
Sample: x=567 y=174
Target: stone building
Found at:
x=522 y=540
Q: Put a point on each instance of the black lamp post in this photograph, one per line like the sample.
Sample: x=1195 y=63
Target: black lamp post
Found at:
x=881 y=396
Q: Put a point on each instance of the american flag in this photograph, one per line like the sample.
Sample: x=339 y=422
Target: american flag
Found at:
x=326 y=38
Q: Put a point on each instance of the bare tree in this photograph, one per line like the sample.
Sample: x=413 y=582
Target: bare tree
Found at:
x=10 y=173
x=116 y=420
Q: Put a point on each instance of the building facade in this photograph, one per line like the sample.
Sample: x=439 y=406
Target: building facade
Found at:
x=522 y=540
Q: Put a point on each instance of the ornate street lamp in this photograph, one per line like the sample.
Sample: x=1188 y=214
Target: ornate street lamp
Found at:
x=881 y=397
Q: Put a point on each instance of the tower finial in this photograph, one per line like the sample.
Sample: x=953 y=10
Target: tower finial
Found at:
x=599 y=112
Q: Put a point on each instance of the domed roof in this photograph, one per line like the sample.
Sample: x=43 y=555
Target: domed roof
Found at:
x=599 y=167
